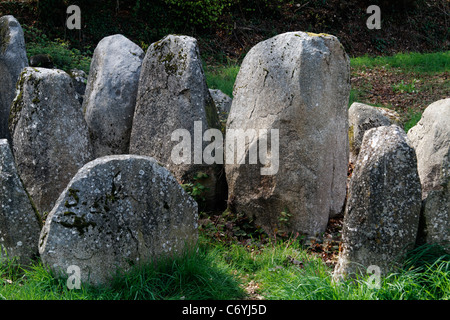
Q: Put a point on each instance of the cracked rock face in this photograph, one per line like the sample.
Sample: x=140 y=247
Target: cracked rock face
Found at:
x=298 y=83
x=13 y=58
x=383 y=207
x=19 y=223
x=50 y=138
x=116 y=212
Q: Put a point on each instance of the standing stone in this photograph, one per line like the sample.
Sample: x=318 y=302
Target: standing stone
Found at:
x=431 y=140
x=110 y=96
x=173 y=98
x=435 y=226
x=50 y=137
x=362 y=117
x=13 y=58
x=383 y=206
x=116 y=212
x=79 y=79
x=222 y=102
x=297 y=83
x=19 y=222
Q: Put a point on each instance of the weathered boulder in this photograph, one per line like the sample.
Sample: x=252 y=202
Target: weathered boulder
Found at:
x=13 y=58
x=297 y=83
x=110 y=96
x=435 y=226
x=383 y=207
x=174 y=104
x=79 y=79
x=362 y=117
x=222 y=102
x=50 y=137
x=117 y=211
x=431 y=140
x=19 y=221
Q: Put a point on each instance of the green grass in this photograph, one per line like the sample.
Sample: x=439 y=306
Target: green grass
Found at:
x=196 y=275
x=221 y=271
x=408 y=62
x=222 y=78
x=414 y=118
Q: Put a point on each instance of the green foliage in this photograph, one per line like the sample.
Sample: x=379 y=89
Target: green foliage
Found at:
x=196 y=274
x=281 y=270
x=231 y=226
x=413 y=118
x=202 y=14
x=195 y=188
x=222 y=78
x=403 y=87
x=64 y=57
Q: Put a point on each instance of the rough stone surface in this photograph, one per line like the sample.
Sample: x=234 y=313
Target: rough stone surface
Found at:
x=117 y=211
x=79 y=79
x=173 y=95
x=13 y=59
x=222 y=102
x=50 y=137
x=110 y=96
x=431 y=140
x=383 y=207
x=362 y=117
x=19 y=222
x=436 y=218
x=299 y=84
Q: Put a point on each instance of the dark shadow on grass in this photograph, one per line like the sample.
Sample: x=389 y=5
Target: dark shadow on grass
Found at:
x=193 y=275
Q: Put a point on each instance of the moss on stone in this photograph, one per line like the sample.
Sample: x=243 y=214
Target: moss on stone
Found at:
x=5 y=36
x=78 y=223
x=17 y=104
x=351 y=138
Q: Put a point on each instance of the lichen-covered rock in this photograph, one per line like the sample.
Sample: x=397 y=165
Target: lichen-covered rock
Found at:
x=79 y=79
x=13 y=58
x=431 y=140
x=49 y=134
x=116 y=212
x=19 y=222
x=383 y=207
x=297 y=83
x=173 y=95
x=362 y=117
x=110 y=96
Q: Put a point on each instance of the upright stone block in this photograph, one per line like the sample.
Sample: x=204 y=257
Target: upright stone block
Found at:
x=110 y=96
x=19 y=221
x=49 y=134
x=13 y=58
x=297 y=83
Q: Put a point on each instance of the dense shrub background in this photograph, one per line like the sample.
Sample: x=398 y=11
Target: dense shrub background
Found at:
x=227 y=29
